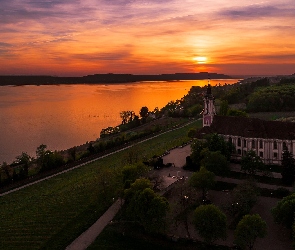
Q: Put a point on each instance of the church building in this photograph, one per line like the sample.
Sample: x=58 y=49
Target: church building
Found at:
x=266 y=138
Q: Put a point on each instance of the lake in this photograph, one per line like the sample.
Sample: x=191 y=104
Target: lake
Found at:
x=62 y=116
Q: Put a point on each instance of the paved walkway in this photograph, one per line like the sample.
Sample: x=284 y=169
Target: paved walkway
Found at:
x=86 y=239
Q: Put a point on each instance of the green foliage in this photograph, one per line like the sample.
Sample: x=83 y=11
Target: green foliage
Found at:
x=283 y=212
x=24 y=160
x=109 y=131
x=145 y=206
x=210 y=223
x=272 y=98
x=244 y=197
x=288 y=168
x=196 y=147
x=248 y=229
x=251 y=163
x=51 y=160
x=223 y=108
x=203 y=180
x=132 y=172
x=235 y=112
x=216 y=142
x=215 y=162
x=191 y=133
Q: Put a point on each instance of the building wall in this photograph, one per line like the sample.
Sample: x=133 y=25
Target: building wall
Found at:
x=269 y=150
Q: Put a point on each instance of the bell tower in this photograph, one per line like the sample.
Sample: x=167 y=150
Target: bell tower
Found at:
x=209 y=108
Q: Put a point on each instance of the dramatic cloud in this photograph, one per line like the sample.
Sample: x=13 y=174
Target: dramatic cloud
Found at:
x=134 y=36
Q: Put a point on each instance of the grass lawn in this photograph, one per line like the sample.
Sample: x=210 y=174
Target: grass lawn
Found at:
x=51 y=214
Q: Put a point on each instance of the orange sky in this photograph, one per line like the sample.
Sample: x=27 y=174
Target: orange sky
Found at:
x=72 y=37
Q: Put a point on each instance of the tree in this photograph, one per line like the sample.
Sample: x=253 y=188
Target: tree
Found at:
x=7 y=169
x=215 y=162
x=137 y=186
x=144 y=112
x=203 y=180
x=196 y=147
x=288 y=167
x=145 y=206
x=216 y=142
x=283 y=212
x=248 y=229
x=192 y=132
x=244 y=197
x=24 y=160
x=210 y=223
x=251 y=163
x=126 y=116
x=40 y=152
x=73 y=152
x=131 y=173
x=223 y=107
x=51 y=160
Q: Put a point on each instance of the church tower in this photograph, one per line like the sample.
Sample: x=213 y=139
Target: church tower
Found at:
x=209 y=108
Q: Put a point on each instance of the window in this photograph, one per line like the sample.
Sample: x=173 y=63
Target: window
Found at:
x=239 y=142
x=239 y=152
x=230 y=140
x=261 y=154
x=244 y=152
x=253 y=144
x=260 y=144
x=275 y=155
x=285 y=146
x=275 y=145
x=245 y=143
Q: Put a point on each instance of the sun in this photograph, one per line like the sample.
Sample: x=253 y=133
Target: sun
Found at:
x=200 y=59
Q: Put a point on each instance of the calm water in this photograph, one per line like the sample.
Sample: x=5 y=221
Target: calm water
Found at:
x=62 y=116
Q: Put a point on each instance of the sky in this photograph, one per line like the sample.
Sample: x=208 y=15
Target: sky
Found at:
x=81 y=37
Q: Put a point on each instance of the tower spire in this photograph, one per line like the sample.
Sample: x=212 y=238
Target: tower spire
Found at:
x=209 y=108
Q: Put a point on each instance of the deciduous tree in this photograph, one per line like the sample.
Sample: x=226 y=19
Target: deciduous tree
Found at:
x=215 y=162
x=244 y=197
x=251 y=163
x=210 y=223
x=249 y=229
x=203 y=180
x=283 y=212
x=145 y=206
x=288 y=167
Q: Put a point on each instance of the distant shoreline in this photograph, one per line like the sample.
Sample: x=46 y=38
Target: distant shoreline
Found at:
x=105 y=78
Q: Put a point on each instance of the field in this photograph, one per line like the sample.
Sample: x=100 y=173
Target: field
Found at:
x=51 y=214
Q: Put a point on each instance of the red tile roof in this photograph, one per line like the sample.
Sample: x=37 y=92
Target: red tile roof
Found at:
x=250 y=128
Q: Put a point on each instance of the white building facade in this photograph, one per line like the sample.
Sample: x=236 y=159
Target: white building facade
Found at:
x=266 y=138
